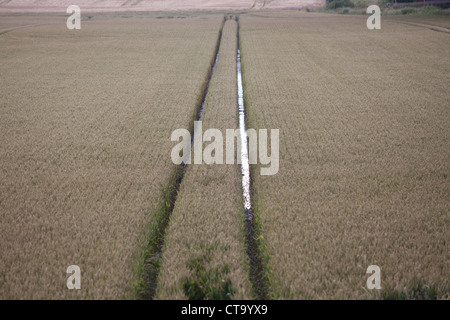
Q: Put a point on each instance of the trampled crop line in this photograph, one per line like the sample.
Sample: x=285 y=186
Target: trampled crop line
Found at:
x=428 y=26
x=3 y=31
x=257 y=269
x=149 y=271
x=22 y=27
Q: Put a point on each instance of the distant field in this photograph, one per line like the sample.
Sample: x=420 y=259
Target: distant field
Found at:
x=364 y=165
x=21 y=6
x=86 y=118
x=85 y=121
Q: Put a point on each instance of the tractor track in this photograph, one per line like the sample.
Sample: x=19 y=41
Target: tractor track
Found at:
x=257 y=276
x=153 y=251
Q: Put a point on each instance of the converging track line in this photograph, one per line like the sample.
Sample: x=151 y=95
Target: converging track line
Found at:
x=257 y=277
x=153 y=254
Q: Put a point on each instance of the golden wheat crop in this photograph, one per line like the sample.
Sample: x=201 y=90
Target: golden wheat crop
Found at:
x=86 y=118
x=85 y=123
x=364 y=158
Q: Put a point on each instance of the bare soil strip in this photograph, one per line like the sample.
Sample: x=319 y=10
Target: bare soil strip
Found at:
x=22 y=6
x=153 y=255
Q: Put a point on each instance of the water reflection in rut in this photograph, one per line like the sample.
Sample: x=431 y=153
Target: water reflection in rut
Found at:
x=245 y=167
x=256 y=273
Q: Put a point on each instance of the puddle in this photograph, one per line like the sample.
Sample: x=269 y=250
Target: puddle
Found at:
x=245 y=167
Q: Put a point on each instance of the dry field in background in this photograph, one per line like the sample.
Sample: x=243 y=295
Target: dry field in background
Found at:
x=364 y=155
x=85 y=124
x=205 y=247
x=21 y=6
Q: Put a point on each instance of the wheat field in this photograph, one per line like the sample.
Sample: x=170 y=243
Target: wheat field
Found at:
x=86 y=118
x=85 y=123
x=364 y=157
